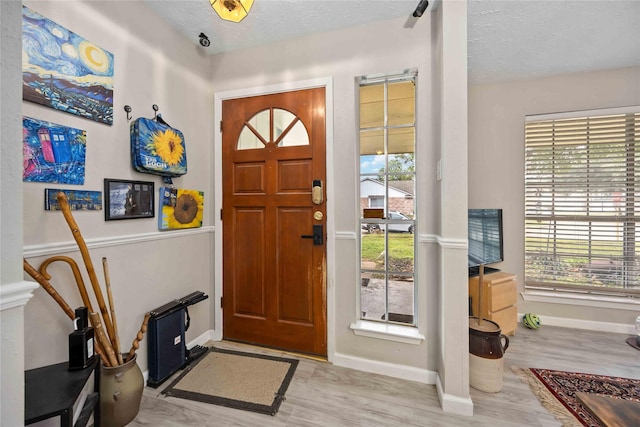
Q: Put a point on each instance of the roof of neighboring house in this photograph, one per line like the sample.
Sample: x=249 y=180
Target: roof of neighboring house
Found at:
x=404 y=186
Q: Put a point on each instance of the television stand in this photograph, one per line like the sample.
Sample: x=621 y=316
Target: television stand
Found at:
x=475 y=271
x=499 y=299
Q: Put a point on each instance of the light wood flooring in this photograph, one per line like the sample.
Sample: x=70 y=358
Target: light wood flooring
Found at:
x=325 y=395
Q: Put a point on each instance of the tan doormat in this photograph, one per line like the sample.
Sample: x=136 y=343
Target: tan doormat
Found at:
x=234 y=379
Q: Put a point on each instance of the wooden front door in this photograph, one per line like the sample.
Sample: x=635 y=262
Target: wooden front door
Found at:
x=273 y=155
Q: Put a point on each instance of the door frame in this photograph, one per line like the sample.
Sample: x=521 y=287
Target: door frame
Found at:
x=219 y=97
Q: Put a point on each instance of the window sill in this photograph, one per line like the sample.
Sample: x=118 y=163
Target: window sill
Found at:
x=387 y=331
x=618 y=303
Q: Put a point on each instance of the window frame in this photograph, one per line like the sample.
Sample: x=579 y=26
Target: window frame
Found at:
x=632 y=205
x=396 y=326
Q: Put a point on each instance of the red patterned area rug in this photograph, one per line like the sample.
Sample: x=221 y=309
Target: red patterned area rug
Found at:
x=556 y=391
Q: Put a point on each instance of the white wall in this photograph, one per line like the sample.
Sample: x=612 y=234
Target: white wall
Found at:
x=496 y=162
x=153 y=65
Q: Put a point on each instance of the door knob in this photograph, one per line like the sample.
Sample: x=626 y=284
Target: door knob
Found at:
x=317 y=236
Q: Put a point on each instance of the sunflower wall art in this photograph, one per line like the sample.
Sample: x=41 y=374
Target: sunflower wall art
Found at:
x=180 y=208
x=157 y=148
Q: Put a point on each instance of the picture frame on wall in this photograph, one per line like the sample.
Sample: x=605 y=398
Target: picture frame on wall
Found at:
x=126 y=199
x=78 y=200
x=180 y=208
x=65 y=71
x=52 y=152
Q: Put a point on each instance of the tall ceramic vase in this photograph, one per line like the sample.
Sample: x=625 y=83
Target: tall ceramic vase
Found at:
x=487 y=345
x=120 y=393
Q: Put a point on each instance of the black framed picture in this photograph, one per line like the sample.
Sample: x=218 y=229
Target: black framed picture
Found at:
x=125 y=199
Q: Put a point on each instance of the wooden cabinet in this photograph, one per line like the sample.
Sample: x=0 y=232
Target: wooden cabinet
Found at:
x=499 y=299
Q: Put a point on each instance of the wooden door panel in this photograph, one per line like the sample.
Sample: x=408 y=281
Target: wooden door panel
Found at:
x=294 y=176
x=294 y=271
x=249 y=178
x=249 y=295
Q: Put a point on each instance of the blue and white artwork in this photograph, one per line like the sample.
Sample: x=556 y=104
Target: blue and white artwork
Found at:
x=52 y=153
x=64 y=71
x=78 y=200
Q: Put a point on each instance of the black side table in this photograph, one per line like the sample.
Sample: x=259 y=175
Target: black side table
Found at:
x=53 y=390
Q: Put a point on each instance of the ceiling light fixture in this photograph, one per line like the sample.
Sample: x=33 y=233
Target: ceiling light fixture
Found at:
x=232 y=10
x=422 y=6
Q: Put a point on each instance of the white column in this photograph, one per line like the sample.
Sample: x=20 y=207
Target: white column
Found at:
x=454 y=339
x=14 y=292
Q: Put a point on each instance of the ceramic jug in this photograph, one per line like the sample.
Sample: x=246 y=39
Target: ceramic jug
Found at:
x=487 y=345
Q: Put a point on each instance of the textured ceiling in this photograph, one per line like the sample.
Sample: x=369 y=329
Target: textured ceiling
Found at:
x=273 y=20
x=508 y=39
x=511 y=40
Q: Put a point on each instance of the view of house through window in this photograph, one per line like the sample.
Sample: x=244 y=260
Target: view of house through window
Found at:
x=582 y=202
x=387 y=198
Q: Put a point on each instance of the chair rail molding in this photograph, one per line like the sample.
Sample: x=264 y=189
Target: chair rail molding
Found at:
x=16 y=294
x=103 y=242
x=444 y=242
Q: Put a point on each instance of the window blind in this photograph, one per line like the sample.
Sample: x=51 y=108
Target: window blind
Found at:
x=582 y=203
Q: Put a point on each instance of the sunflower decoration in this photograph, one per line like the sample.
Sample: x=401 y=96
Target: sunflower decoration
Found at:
x=167 y=145
x=184 y=209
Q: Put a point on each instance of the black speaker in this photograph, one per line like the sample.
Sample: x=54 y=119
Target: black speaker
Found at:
x=166 y=346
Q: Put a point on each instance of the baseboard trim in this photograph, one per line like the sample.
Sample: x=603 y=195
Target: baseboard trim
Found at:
x=384 y=368
x=589 y=325
x=203 y=338
x=454 y=404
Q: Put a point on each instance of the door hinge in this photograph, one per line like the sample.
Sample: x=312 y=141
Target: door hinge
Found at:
x=221 y=302
x=220 y=214
x=220 y=126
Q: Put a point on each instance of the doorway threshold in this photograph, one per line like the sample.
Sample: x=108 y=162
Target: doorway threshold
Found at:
x=255 y=348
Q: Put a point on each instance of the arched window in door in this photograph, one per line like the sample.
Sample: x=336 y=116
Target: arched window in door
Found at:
x=273 y=126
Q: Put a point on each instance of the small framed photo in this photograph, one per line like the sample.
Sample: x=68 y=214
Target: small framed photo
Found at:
x=125 y=199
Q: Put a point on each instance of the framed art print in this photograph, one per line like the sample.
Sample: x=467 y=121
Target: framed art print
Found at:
x=52 y=153
x=78 y=200
x=126 y=199
x=65 y=71
x=180 y=208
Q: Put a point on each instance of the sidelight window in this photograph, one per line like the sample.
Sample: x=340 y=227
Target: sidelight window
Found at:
x=387 y=133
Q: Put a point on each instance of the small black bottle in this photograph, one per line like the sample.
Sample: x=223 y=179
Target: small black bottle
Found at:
x=81 y=351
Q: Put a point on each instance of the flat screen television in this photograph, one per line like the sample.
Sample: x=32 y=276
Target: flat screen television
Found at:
x=485 y=239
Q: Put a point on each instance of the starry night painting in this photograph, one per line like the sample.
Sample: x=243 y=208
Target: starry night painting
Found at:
x=52 y=153
x=65 y=71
